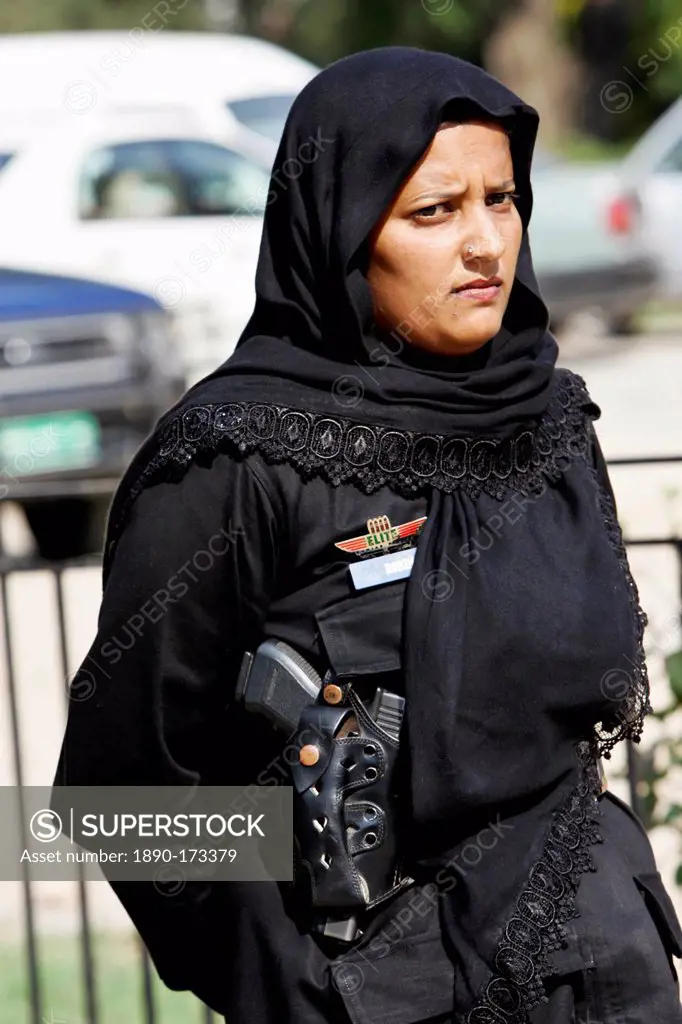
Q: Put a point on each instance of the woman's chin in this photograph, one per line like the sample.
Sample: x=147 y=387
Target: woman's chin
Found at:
x=473 y=330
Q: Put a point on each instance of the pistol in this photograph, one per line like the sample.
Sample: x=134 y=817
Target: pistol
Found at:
x=277 y=682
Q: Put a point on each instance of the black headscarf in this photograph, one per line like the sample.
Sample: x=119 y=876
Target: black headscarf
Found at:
x=351 y=138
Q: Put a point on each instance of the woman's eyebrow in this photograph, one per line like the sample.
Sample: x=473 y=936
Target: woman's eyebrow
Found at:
x=438 y=192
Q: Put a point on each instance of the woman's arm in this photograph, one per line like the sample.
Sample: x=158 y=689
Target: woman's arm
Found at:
x=189 y=586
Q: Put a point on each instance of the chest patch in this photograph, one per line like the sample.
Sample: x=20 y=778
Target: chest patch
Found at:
x=382 y=536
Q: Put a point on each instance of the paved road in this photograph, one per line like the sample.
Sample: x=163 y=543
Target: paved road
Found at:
x=638 y=384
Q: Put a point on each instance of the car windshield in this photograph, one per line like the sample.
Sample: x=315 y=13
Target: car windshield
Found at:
x=263 y=114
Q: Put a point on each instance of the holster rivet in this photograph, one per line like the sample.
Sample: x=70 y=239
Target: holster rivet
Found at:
x=332 y=693
x=309 y=754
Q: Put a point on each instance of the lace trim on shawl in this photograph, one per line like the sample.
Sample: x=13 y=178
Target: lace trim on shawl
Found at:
x=630 y=690
x=547 y=901
x=371 y=456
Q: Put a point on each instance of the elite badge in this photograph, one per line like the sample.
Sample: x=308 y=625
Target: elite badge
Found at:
x=381 y=536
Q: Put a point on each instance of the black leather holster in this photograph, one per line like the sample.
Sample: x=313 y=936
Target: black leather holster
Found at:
x=344 y=809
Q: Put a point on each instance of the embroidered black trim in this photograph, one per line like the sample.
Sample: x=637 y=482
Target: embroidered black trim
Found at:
x=631 y=689
x=372 y=456
x=548 y=900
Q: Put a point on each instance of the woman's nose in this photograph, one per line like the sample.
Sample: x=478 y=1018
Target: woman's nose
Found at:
x=485 y=243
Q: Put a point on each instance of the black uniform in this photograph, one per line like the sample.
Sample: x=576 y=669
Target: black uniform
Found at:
x=516 y=638
x=238 y=549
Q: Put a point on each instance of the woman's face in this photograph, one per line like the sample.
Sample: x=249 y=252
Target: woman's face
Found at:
x=443 y=257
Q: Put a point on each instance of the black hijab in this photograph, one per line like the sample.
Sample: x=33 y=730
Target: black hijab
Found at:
x=351 y=138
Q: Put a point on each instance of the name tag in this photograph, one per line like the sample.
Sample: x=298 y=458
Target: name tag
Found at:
x=382 y=569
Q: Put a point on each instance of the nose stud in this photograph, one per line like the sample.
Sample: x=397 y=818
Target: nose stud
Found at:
x=470 y=251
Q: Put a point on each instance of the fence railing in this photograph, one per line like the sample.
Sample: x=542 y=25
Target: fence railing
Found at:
x=88 y=966
x=673 y=543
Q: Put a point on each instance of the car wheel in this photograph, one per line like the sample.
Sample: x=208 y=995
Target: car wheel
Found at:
x=67 y=527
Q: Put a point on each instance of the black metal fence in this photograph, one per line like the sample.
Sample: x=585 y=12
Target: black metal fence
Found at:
x=673 y=543
x=88 y=967
x=90 y=1006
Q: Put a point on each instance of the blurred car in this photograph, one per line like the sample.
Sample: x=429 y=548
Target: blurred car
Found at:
x=234 y=85
x=146 y=201
x=653 y=170
x=86 y=369
x=143 y=158
x=587 y=241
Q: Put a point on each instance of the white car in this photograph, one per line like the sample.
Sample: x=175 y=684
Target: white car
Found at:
x=653 y=168
x=588 y=248
x=161 y=208
x=142 y=160
x=231 y=84
x=159 y=181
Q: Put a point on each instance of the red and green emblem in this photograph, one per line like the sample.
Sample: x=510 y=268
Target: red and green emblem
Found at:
x=381 y=535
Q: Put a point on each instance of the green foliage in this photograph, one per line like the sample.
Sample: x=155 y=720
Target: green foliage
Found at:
x=51 y=15
x=673 y=665
x=323 y=32
x=118 y=978
x=656 y=50
x=654 y=765
x=653 y=68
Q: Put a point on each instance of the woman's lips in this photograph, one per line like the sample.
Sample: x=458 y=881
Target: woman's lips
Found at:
x=479 y=293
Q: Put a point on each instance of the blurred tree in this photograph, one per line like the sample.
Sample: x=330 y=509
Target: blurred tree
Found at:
x=528 y=51
x=602 y=33
x=506 y=36
x=51 y=15
x=655 y=58
x=632 y=53
x=325 y=31
x=560 y=55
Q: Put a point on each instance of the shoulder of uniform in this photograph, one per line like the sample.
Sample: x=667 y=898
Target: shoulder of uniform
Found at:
x=573 y=391
x=168 y=455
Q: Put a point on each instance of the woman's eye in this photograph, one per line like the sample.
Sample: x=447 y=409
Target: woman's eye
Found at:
x=430 y=212
x=501 y=198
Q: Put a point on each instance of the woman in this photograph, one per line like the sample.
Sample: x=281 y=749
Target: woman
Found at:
x=397 y=372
